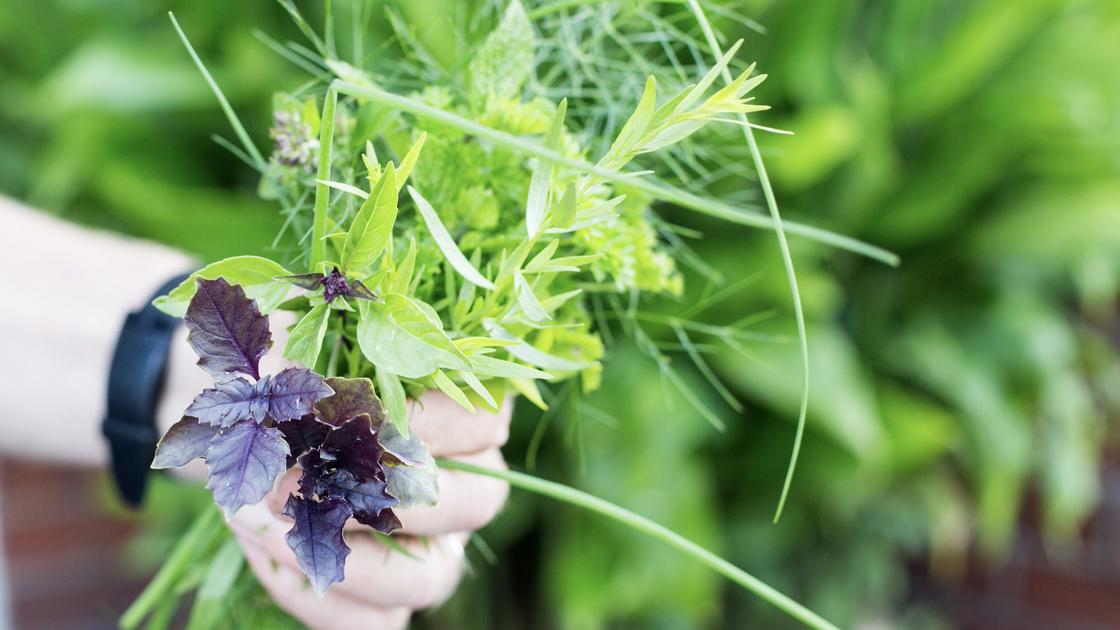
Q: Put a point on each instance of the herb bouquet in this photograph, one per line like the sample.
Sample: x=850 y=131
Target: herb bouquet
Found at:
x=456 y=236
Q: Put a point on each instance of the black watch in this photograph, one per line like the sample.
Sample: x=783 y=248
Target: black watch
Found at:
x=135 y=384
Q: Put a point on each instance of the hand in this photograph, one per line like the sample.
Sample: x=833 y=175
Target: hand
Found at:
x=383 y=586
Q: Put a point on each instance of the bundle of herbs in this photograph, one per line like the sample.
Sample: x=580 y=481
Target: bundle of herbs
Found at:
x=453 y=238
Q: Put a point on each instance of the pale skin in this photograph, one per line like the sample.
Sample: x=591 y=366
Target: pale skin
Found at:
x=96 y=278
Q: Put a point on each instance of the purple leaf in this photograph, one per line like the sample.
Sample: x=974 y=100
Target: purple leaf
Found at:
x=353 y=447
x=303 y=435
x=228 y=403
x=352 y=398
x=369 y=500
x=293 y=393
x=184 y=441
x=316 y=539
x=334 y=285
x=359 y=290
x=309 y=281
x=226 y=329
x=244 y=461
x=413 y=486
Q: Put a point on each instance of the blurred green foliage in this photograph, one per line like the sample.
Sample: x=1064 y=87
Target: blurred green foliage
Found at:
x=978 y=139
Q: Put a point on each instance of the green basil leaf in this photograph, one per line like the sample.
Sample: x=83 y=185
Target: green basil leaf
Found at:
x=400 y=336
x=372 y=226
x=306 y=339
x=256 y=276
x=394 y=399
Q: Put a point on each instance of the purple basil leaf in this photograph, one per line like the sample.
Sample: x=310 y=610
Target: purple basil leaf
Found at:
x=352 y=398
x=227 y=329
x=293 y=393
x=309 y=281
x=316 y=539
x=359 y=290
x=399 y=449
x=385 y=521
x=334 y=285
x=184 y=441
x=244 y=461
x=353 y=447
x=303 y=435
x=322 y=479
x=228 y=403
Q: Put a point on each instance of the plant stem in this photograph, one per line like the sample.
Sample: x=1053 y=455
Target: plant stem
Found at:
x=654 y=188
x=186 y=550
x=787 y=260
x=234 y=121
x=322 y=191
x=590 y=502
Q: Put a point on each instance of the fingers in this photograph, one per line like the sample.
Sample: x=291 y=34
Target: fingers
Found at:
x=375 y=574
x=448 y=429
x=466 y=502
x=331 y=611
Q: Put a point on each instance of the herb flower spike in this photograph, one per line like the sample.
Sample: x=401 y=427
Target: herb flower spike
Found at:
x=354 y=464
x=333 y=284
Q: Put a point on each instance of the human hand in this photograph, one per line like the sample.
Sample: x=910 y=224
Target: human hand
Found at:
x=383 y=586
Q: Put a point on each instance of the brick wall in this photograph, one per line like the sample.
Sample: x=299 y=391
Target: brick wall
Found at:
x=66 y=558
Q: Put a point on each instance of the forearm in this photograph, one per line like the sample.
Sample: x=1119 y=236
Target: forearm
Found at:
x=66 y=291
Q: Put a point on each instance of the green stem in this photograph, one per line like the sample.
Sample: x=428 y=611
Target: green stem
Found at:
x=186 y=551
x=322 y=191
x=654 y=188
x=234 y=121
x=787 y=261
x=626 y=517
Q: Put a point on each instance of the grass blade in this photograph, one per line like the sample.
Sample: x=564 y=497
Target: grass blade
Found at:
x=234 y=121
x=787 y=260
x=639 y=523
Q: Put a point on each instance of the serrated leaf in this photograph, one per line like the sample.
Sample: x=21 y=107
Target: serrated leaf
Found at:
x=226 y=329
x=372 y=227
x=305 y=342
x=228 y=403
x=354 y=447
x=367 y=499
x=303 y=435
x=395 y=401
x=316 y=539
x=256 y=275
x=403 y=449
x=401 y=337
x=244 y=461
x=293 y=392
x=445 y=243
x=352 y=397
x=186 y=440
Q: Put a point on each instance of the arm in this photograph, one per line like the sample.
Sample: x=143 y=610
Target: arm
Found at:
x=66 y=290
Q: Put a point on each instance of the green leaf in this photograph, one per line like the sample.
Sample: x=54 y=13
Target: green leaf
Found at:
x=256 y=275
x=408 y=162
x=394 y=399
x=529 y=390
x=446 y=244
x=401 y=337
x=505 y=60
x=565 y=213
x=306 y=339
x=373 y=225
x=638 y=122
x=478 y=388
x=533 y=356
x=527 y=300
x=445 y=385
x=540 y=183
x=211 y=601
